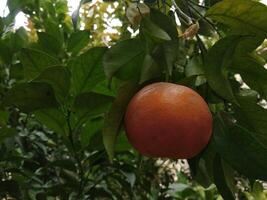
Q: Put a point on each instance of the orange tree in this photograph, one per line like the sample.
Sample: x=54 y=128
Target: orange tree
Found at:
x=66 y=82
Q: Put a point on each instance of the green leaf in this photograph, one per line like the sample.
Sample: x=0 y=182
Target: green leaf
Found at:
x=240 y=149
x=19 y=39
x=217 y=63
x=122 y=143
x=242 y=16
x=90 y=104
x=29 y=97
x=115 y=115
x=252 y=73
x=53 y=29
x=102 y=88
x=150 y=28
x=165 y=22
x=59 y=79
x=194 y=67
x=49 y=43
x=170 y=50
x=150 y=69
x=87 y=70
x=124 y=54
x=53 y=119
x=34 y=62
x=77 y=41
x=253 y=117
x=89 y=129
x=219 y=179
x=5 y=52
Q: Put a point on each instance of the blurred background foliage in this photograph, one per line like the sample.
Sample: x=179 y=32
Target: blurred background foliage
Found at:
x=51 y=118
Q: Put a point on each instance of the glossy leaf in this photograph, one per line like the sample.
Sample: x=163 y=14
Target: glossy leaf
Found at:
x=87 y=70
x=31 y=96
x=242 y=16
x=34 y=62
x=252 y=73
x=218 y=61
x=152 y=30
x=122 y=55
x=165 y=22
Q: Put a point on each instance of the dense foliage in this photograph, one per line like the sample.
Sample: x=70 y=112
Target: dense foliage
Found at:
x=65 y=82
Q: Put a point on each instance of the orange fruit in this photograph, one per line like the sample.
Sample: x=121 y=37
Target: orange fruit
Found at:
x=168 y=120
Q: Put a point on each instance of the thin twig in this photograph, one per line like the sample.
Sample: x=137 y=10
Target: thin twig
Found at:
x=202 y=47
x=207 y=20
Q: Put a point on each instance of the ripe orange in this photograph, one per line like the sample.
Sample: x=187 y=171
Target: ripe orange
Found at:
x=168 y=120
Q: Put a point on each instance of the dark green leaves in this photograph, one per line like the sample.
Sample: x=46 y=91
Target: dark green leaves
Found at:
x=53 y=119
x=253 y=73
x=34 y=62
x=125 y=54
x=87 y=70
x=150 y=69
x=240 y=149
x=220 y=181
x=115 y=115
x=31 y=96
x=165 y=22
x=194 y=67
x=90 y=104
x=6 y=132
x=218 y=61
x=242 y=16
x=152 y=30
x=49 y=43
x=58 y=77
x=252 y=116
x=77 y=41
